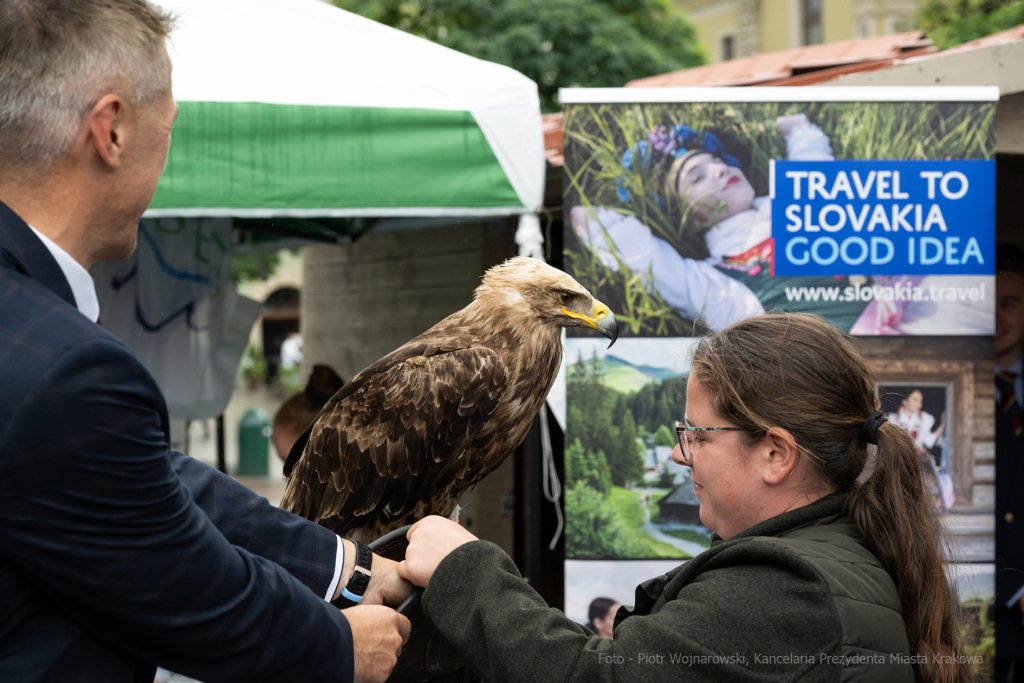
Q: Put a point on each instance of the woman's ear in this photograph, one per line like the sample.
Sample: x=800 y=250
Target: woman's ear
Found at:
x=781 y=456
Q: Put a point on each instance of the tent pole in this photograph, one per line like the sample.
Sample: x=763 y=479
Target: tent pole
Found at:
x=221 y=460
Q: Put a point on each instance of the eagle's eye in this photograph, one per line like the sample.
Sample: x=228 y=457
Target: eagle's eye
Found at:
x=565 y=297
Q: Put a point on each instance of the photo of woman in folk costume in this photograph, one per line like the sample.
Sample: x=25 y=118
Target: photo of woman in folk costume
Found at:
x=734 y=281
x=920 y=426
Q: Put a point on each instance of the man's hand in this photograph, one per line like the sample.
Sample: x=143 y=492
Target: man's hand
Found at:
x=386 y=586
x=378 y=634
x=430 y=540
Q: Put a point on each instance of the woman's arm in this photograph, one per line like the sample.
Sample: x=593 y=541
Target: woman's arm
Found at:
x=804 y=140
x=695 y=288
x=714 y=629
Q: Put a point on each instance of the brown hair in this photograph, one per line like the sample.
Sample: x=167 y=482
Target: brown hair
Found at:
x=299 y=411
x=58 y=57
x=672 y=177
x=796 y=371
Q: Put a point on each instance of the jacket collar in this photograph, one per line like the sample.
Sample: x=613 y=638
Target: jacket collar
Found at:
x=821 y=511
x=22 y=251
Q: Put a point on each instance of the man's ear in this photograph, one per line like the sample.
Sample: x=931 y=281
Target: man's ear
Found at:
x=782 y=455
x=107 y=129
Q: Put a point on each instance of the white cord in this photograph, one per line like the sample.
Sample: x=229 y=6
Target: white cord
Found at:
x=552 y=486
x=531 y=243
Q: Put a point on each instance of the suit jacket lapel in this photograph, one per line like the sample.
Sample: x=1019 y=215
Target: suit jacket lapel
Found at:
x=21 y=250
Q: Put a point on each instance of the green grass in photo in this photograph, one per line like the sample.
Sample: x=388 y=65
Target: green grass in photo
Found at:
x=656 y=496
x=629 y=510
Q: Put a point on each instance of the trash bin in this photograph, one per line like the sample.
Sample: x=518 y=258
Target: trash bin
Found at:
x=254 y=443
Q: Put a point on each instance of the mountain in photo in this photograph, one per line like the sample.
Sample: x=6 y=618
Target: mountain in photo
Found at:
x=623 y=376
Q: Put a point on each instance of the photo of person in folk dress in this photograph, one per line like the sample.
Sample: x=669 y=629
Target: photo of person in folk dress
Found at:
x=907 y=407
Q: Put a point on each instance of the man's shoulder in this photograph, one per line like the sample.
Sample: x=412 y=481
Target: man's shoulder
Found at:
x=30 y=310
x=38 y=328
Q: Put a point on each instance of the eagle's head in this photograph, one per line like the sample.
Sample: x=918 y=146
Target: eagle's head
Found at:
x=546 y=294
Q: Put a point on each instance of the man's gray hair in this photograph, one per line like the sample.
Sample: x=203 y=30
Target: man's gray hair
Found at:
x=59 y=57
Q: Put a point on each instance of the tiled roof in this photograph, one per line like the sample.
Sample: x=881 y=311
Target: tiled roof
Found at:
x=774 y=66
x=801 y=66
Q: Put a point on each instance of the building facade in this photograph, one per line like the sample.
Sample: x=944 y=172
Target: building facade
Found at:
x=740 y=28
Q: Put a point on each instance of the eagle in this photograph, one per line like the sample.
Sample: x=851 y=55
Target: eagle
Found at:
x=410 y=433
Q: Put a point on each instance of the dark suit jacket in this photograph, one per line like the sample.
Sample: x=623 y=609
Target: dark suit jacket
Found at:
x=117 y=553
x=1009 y=538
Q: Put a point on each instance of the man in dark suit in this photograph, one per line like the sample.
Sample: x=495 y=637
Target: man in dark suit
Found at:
x=117 y=553
x=1009 y=465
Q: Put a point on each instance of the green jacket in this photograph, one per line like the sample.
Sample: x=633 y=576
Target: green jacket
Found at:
x=795 y=598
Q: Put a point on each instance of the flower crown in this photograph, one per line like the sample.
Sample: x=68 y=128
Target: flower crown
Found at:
x=672 y=142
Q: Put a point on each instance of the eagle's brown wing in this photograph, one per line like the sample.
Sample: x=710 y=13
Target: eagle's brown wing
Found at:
x=396 y=440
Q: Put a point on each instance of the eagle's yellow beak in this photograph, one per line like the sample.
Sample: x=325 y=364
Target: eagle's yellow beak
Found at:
x=603 y=321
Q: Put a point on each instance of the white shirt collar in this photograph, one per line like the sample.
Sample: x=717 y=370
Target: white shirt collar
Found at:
x=78 y=277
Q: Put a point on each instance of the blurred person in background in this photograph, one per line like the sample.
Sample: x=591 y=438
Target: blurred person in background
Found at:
x=291 y=351
x=602 y=616
x=299 y=411
x=1009 y=602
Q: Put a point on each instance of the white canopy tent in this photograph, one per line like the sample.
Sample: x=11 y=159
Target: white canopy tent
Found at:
x=298 y=108
x=294 y=110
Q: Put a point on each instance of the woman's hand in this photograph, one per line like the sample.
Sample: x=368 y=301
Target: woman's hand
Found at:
x=430 y=540
x=786 y=124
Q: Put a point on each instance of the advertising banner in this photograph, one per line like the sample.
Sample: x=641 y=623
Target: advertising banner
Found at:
x=691 y=215
x=690 y=209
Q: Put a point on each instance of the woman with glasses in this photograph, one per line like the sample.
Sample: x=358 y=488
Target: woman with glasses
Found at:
x=825 y=565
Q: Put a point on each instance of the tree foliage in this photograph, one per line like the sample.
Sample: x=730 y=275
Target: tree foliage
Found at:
x=951 y=22
x=599 y=418
x=587 y=467
x=660 y=405
x=665 y=437
x=556 y=43
x=667 y=480
x=589 y=410
x=594 y=530
x=243 y=267
x=627 y=461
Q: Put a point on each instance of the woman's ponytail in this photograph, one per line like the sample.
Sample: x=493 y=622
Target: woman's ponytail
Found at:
x=895 y=518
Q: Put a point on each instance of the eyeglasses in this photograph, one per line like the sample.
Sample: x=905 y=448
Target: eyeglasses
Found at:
x=688 y=445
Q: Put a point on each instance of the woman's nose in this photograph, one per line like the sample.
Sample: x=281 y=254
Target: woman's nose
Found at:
x=677 y=455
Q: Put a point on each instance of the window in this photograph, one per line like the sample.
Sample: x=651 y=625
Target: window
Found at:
x=728 y=43
x=812 y=21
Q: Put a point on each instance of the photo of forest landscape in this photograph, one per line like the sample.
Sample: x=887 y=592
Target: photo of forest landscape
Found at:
x=624 y=496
